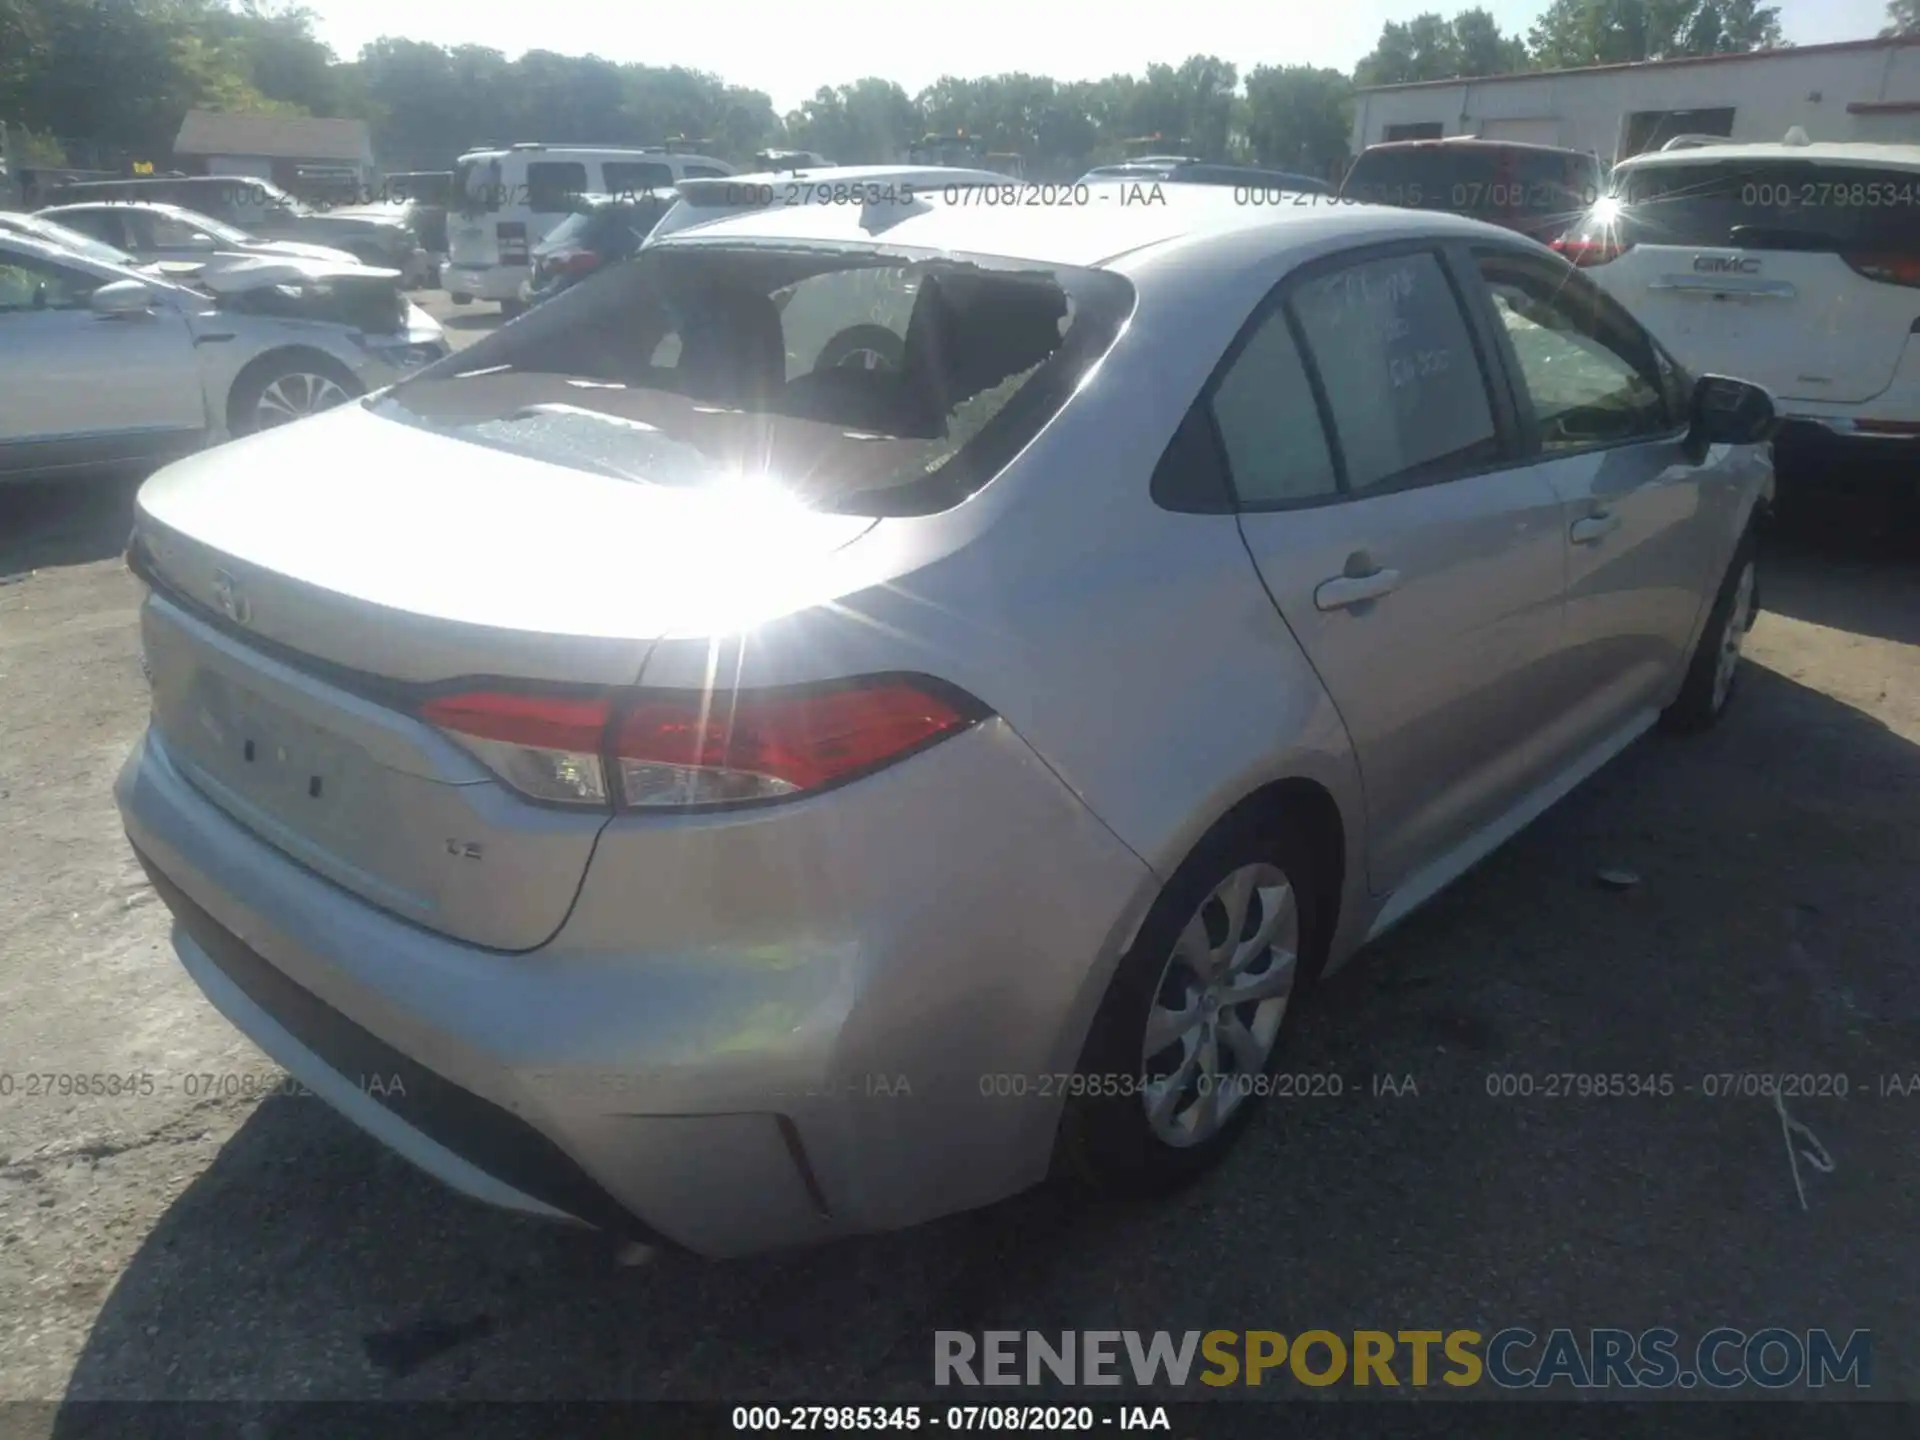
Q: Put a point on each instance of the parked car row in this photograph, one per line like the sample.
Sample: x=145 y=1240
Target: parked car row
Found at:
x=914 y=640
x=264 y=211
x=107 y=358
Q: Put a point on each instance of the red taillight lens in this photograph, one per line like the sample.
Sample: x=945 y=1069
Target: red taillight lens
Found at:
x=668 y=751
x=573 y=262
x=1588 y=253
x=761 y=745
x=1888 y=269
x=546 y=747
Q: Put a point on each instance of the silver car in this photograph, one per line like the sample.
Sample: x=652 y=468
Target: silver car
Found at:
x=101 y=364
x=647 y=775
x=152 y=232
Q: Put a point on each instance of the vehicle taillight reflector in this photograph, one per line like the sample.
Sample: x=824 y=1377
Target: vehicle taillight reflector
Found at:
x=677 y=750
x=547 y=747
x=1888 y=269
x=1588 y=253
x=760 y=745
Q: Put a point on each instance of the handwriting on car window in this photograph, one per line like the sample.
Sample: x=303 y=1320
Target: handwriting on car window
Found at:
x=1365 y=289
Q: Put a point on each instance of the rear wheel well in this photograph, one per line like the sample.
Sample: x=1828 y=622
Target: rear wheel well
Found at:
x=1311 y=811
x=287 y=357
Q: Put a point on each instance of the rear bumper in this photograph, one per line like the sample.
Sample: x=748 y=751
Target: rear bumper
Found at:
x=771 y=1064
x=485 y=282
x=1889 y=423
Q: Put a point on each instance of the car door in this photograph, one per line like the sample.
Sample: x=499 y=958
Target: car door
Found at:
x=1609 y=427
x=76 y=384
x=1417 y=563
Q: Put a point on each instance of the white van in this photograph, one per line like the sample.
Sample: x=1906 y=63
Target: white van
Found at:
x=506 y=201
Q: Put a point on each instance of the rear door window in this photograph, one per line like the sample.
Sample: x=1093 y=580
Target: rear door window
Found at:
x=1269 y=422
x=476 y=186
x=554 y=185
x=1766 y=205
x=1398 y=366
x=629 y=177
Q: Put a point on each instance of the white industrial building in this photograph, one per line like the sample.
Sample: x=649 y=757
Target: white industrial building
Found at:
x=1856 y=90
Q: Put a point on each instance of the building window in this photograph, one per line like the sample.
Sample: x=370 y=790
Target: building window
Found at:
x=1424 y=130
x=1650 y=129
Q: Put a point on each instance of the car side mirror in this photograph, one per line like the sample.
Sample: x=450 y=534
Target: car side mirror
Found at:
x=122 y=297
x=1726 y=411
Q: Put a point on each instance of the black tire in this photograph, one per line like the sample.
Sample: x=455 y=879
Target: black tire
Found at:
x=1702 y=699
x=1106 y=1141
x=859 y=341
x=512 y=309
x=243 y=403
x=460 y=299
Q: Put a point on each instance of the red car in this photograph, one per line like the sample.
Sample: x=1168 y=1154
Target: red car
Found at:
x=1536 y=189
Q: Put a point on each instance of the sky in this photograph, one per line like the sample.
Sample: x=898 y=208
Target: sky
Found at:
x=790 y=49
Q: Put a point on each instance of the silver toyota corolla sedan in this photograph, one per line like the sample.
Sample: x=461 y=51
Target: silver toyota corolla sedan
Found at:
x=645 y=775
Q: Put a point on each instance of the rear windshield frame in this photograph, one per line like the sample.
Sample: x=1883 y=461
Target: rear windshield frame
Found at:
x=1102 y=304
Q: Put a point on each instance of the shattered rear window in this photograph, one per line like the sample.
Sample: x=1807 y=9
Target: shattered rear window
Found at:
x=862 y=379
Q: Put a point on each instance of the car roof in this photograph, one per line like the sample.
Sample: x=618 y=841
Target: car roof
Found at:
x=1090 y=235
x=1838 y=153
x=536 y=152
x=844 y=174
x=120 y=207
x=1475 y=142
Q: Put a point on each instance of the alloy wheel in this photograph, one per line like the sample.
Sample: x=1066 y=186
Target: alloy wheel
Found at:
x=296 y=396
x=1217 y=1009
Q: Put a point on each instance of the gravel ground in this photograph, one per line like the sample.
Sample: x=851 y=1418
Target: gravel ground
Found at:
x=177 y=1244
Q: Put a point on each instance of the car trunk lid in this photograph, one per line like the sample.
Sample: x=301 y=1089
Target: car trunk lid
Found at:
x=314 y=586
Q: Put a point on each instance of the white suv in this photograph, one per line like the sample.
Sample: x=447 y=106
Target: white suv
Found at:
x=1793 y=265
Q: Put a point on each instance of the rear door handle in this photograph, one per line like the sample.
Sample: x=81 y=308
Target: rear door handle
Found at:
x=1594 y=527
x=1345 y=590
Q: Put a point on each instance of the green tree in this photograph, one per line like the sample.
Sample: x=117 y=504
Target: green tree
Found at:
x=1608 y=32
x=868 y=122
x=1903 y=18
x=1482 y=48
x=1299 y=117
x=1429 y=47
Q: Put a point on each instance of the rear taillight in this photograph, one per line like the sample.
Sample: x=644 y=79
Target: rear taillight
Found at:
x=667 y=751
x=545 y=747
x=1588 y=253
x=512 y=238
x=1887 y=269
x=572 y=262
